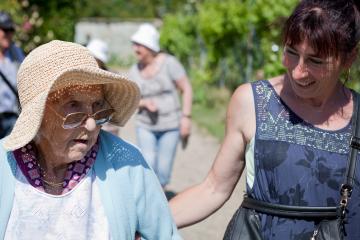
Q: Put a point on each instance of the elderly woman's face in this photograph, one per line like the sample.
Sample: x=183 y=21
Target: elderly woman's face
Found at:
x=71 y=144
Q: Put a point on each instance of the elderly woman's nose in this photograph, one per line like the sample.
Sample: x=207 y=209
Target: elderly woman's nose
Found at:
x=90 y=124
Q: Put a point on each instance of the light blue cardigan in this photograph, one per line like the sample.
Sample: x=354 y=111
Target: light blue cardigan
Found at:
x=131 y=195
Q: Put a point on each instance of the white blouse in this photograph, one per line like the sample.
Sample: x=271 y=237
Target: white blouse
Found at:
x=78 y=214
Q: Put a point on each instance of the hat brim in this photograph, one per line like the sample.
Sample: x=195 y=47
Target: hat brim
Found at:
x=122 y=94
x=141 y=42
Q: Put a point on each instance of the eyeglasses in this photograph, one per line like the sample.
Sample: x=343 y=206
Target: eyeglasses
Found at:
x=76 y=119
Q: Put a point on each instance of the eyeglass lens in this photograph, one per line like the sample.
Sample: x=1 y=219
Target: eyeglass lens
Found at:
x=74 y=120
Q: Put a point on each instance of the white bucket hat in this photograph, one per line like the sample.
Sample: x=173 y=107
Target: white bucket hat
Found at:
x=148 y=36
x=99 y=49
x=56 y=65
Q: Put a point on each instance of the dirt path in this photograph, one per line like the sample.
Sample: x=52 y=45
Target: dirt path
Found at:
x=190 y=168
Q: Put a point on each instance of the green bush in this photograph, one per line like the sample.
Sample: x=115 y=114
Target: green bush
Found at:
x=225 y=43
x=211 y=114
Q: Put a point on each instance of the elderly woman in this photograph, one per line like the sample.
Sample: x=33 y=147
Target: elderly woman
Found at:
x=61 y=176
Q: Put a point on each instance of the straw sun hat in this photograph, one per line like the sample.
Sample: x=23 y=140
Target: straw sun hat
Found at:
x=56 y=65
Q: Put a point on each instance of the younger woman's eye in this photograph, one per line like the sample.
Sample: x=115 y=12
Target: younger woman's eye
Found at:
x=316 y=61
x=291 y=52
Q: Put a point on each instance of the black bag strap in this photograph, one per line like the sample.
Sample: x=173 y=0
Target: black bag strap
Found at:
x=354 y=145
x=304 y=212
x=10 y=86
x=289 y=211
x=347 y=187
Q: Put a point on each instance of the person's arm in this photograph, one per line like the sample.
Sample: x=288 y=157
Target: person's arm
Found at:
x=148 y=104
x=183 y=84
x=198 y=202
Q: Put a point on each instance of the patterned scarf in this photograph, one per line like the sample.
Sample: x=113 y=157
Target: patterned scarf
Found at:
x=26 y=158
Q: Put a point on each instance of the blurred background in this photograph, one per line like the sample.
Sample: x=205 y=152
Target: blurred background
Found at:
x=221 y=43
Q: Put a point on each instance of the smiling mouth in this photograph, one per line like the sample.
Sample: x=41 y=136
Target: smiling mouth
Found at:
x=305 y=85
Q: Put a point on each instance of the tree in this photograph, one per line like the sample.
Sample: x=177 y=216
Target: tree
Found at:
x=227 y=42
x=40 y=21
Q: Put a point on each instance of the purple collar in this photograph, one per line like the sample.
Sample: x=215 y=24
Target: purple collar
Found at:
x=26 y=158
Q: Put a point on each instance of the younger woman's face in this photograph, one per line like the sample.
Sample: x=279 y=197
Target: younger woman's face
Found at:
x=310 y=75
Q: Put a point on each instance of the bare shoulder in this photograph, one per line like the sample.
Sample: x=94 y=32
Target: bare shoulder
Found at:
x=243 y=94
x=241 y=111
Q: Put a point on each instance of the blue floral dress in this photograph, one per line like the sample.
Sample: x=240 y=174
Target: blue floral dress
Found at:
x=298 y=164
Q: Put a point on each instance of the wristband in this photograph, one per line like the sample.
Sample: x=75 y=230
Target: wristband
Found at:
x=187 y=115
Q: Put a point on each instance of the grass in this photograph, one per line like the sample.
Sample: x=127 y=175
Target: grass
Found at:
x=211 y=113
x=212 y=120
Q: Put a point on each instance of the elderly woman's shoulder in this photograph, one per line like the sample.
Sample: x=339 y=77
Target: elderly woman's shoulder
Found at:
x=115 y=145
x=109 y=137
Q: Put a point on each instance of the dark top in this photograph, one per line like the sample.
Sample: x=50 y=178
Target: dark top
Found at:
x=298 y=164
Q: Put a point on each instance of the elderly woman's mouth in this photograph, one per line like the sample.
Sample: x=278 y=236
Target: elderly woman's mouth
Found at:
x=81 y=141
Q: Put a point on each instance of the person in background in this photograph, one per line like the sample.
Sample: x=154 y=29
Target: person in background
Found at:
x=61 y=176
x=100 y=51
x=161 y=120
x=292 y=131
x=10 y=58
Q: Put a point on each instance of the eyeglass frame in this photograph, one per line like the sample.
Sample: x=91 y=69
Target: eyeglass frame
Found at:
x=86 y=116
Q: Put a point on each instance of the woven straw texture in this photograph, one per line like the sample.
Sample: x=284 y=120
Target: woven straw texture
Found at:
x=56 y=65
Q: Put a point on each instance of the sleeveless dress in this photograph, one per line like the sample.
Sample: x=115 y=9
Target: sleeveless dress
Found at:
x=298 y=164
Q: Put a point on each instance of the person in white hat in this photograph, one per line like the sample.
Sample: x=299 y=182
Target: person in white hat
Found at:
x=100 y=50
x=161 y=119
x=61 y=176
